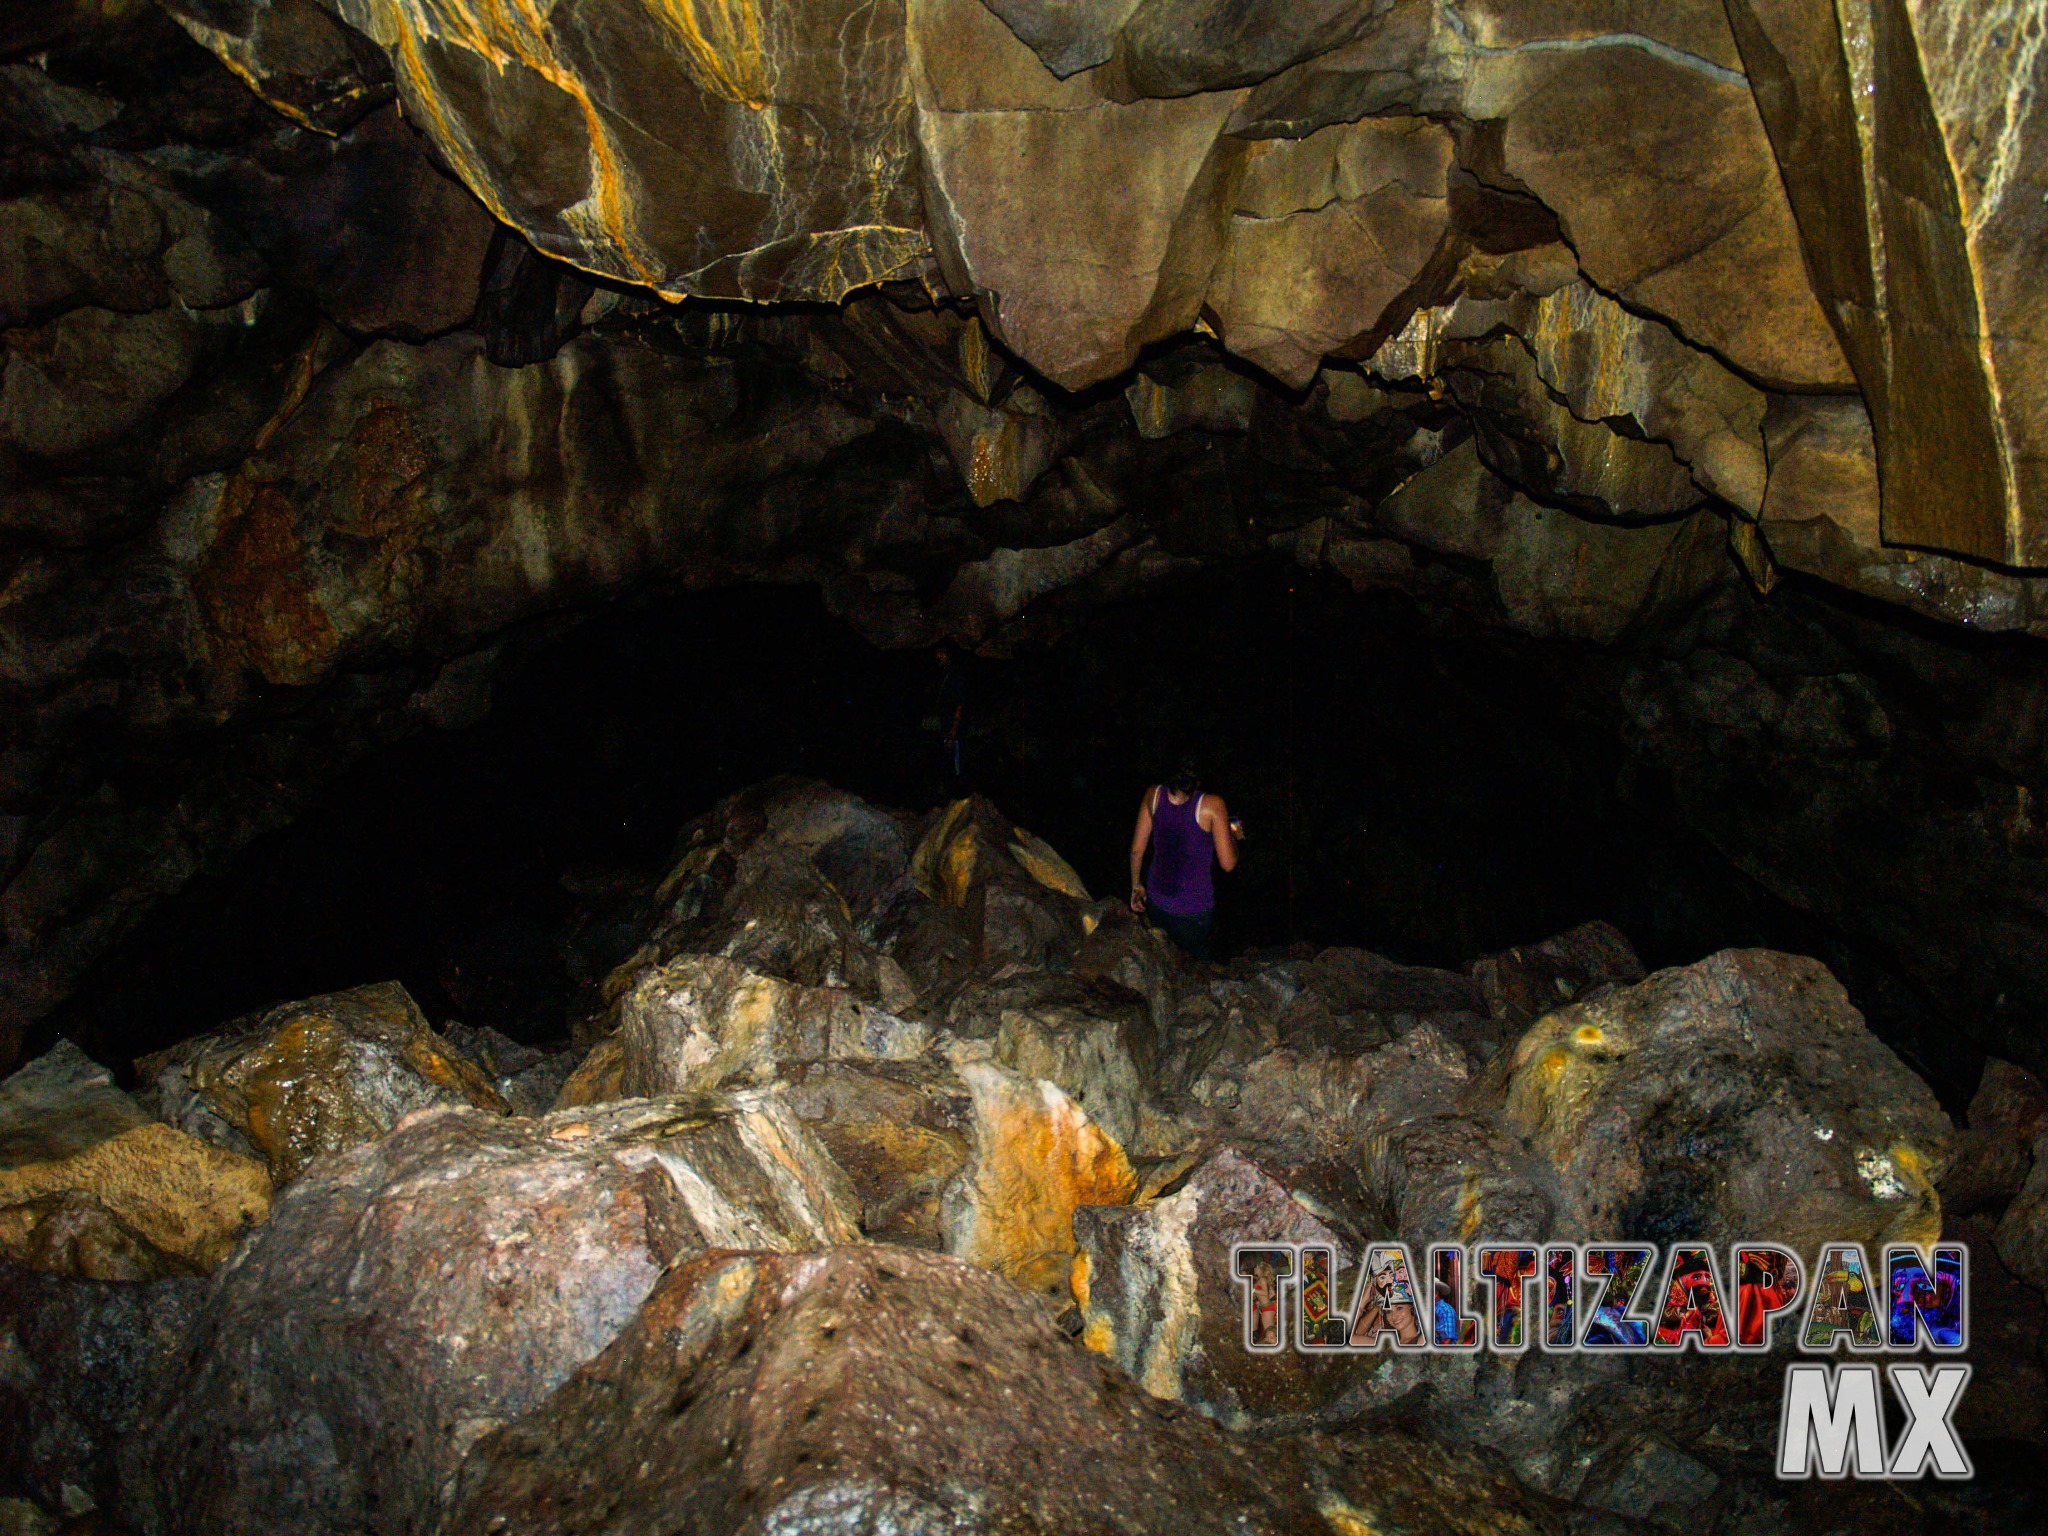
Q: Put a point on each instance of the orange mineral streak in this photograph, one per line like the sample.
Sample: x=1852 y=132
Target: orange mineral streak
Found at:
x=505 y=35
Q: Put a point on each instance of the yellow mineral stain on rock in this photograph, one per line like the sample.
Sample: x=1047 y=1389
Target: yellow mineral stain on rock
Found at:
x=1589 y=1034
x=943 y=865
x=1077 y=1278
x=1043 y=863
x=1099 y=1336
x=185 y=1196
x=1919 y=1222
x=1037 y=1159
x=1346 y=1519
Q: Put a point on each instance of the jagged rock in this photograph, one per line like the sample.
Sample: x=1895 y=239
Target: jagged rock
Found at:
x=1158 y=1296
x=526 y=1078
x=875 y=1389
x=78 y=1360
x=703 y=1022
x=1739 y=1095
x=788 y=878
x=996 y=895
x=1993 y=1155
x=902 y=1131
x=1456 y=1178
x=1921 y=238
x=296 y=56
x=1525 y=982
x=1822 y=515
x=1310 y=1106
x=411 y=1295
x=65 y=1128
x=1105 y=1065
x=314 y=1077
x=1036 y=1158
x=73 y=1233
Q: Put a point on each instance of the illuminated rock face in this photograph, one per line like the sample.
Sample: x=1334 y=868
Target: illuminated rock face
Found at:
x=1739 y=1094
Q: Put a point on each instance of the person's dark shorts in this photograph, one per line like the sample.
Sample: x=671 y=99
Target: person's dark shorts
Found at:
x=1190 y=933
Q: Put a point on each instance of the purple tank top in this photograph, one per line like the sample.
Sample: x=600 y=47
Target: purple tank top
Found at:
x=1180 y=881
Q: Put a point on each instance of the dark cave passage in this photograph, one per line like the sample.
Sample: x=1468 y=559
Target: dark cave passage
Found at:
x=1428 y=791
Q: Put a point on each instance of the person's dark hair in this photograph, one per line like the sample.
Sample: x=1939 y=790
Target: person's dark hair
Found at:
x=1187 y=778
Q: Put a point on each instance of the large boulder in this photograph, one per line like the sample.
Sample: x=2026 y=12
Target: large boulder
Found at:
x=90 y=1184
x=702 y=1021
x=2022 y=1235
x=78 y=1361
x=314 y=1077
x=1158 y=1296
x=1036 y=1159
x=1995 y=1151
x=1529 y=980
x=411 y=1295
x=902 y=1131
x=1738 y=1096
x=878 y=1390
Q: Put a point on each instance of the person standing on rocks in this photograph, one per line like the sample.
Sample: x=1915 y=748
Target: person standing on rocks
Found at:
x=1189 y=833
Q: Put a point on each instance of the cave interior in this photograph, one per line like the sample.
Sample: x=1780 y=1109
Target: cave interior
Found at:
x=590 y=593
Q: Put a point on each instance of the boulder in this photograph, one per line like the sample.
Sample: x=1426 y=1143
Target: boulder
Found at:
x=410 y=1295
x=1996 y=1149
x=702 y=1022
x=1720 y=1100
x=902 y=1131
x=1308 y=1105
x=313 y=1077
x=1456 y=1178
x=1105 y=1065
x=73 y=1233
x=78 y=1361
x=878 y=1390
x=1157 y=1294
x=526 y=1077
x=1036 y=1158
x=126 y=1192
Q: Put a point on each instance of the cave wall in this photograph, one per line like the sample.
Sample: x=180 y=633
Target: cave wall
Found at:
x=1695 y=341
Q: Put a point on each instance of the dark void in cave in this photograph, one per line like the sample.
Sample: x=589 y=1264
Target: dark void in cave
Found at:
x=513 y=1021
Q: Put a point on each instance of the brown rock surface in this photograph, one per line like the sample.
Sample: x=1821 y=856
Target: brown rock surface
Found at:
x=81 y=1358
x=872 y=1389
x=314 y=1077
x=411 y=1295
x=1742 y=1094
x=1157 y=1294
x=1036 y=1158
x=66 y=1130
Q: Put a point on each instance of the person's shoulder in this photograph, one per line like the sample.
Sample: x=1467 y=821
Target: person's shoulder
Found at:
x=1213 y=805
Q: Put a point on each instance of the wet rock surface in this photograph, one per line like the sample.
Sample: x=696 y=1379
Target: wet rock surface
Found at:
x=314 y=1077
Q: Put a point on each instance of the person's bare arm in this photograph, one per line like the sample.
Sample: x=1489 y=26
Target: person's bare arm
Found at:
x=1220 y=829
x=1141 y=838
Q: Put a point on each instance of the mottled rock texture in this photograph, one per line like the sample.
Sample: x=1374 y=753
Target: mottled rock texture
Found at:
x=411 y=1295
x=1534 y=312
x=1742 y=1094
x=875 y=1390
x=314 y=1077
x=89 y=1182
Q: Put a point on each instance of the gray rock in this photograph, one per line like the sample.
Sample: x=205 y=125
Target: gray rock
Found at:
x=411 y=1295
x=1719 y=1100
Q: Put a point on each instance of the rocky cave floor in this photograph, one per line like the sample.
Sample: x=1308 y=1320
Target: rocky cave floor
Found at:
x=887 y=1183
x=1516 y=452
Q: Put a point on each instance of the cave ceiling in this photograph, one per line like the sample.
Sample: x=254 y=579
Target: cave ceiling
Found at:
x=341 y=339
